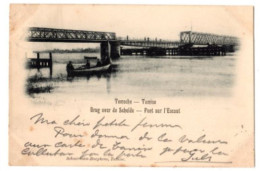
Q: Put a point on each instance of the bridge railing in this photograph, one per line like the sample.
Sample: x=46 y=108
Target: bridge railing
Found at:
x=146 y=39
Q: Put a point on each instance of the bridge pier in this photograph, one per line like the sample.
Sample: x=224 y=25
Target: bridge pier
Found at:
x=115 y=50
x=38 y=61
x=110 y=49
x=50 y=63
x=105 y=50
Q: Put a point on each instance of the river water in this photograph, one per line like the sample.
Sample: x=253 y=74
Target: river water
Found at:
x=140 y=76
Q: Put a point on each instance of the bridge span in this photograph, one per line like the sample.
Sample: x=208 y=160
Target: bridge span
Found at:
x=197 y=38
x=111 y=46
x=38 y=34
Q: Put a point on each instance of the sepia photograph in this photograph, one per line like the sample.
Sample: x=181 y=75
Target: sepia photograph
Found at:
x=131 y=85
x=131 y=54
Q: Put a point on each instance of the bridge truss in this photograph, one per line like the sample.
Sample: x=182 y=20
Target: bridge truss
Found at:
x=36 y=34
x=197 y=38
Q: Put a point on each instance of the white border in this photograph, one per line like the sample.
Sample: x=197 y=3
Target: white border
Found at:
x=4 y=69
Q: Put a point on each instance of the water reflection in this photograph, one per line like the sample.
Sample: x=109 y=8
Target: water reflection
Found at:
x=41 y=83
x=164 y=76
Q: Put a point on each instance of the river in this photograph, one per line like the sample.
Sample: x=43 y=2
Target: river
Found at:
x=141 y=76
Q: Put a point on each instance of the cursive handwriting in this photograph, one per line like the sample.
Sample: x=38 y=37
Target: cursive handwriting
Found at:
x=144 y=124
x=98 y=135
x=40 y=119
x=64 y=145
x=114 y=122
x=200 y=139
x=75 y=122
x=118 y=145
x=119 y=139
x=61 y=132
x=44 y=152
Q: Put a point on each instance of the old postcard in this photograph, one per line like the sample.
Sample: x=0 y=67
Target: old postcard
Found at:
x=131 y=85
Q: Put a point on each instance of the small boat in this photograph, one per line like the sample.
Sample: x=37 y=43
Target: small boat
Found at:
x=86 y=71
x=90 y=57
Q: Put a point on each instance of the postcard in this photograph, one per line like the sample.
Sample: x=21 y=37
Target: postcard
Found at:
x=131 y=85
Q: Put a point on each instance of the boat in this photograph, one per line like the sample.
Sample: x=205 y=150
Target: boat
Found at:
x=87 y=71
x=90 y=57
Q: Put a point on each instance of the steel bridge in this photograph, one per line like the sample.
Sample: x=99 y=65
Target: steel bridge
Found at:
x=111 y=46
x=196 y=38
x=37 y=34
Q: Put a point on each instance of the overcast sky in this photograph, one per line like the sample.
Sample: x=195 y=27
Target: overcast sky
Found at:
x=165 y=22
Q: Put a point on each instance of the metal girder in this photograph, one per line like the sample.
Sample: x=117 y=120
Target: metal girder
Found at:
x=163 y=44
x=197 y=38
x=37 y=34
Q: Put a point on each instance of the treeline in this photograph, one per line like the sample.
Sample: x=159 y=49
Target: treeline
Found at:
x=78 y=50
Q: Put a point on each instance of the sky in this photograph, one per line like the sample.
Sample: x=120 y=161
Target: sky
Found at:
x=136 y=21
